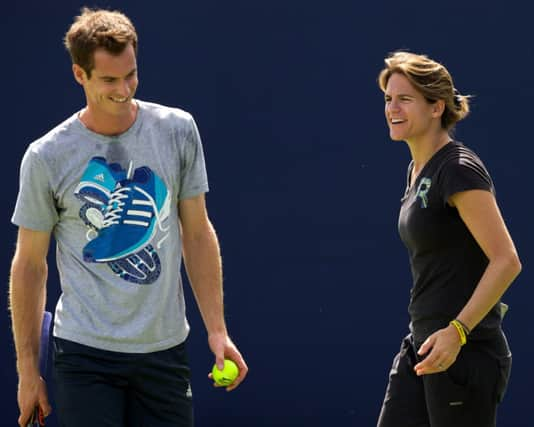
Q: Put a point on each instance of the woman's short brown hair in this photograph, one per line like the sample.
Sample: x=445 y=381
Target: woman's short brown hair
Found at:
x=431 y=79
x=94 y=29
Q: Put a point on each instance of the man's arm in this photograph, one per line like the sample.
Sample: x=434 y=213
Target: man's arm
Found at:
x=27 y=298
x=204 y=269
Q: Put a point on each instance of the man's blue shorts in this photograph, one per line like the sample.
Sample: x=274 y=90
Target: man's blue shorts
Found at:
x=104 y=388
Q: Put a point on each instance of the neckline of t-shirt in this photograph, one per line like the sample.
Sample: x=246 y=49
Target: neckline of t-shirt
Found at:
x=111 y=138
x=451 y=143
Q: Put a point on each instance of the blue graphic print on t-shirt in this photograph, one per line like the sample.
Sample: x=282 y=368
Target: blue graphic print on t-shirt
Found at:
x=125 y=213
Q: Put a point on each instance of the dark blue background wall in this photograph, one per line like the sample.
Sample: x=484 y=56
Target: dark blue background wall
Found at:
x=305 y=182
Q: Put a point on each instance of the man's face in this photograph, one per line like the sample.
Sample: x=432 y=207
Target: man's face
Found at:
x=113 y=82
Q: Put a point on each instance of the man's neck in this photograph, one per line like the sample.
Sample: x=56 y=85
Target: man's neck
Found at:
x=107 y=124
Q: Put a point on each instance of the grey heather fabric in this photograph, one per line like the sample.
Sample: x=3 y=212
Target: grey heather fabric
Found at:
x=98 y=307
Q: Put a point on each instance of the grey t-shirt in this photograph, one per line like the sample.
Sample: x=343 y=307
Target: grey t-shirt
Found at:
x=111 y=203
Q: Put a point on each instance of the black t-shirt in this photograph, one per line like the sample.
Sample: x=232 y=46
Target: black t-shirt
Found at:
x=446 y=261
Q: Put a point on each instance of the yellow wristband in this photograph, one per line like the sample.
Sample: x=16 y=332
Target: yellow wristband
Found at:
x=464 y=327
x=460 y=329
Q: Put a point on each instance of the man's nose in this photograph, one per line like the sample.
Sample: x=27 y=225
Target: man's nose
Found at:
x=124 y=89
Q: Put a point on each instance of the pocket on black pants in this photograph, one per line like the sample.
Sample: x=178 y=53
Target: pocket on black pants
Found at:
x=504 y=366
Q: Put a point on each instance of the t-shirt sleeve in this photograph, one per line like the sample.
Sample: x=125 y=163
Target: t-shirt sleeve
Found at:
x=193 y=177
x=464 y=172
x=35 y=207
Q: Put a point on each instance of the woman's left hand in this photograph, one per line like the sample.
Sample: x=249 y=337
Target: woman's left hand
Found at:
x=442 y=348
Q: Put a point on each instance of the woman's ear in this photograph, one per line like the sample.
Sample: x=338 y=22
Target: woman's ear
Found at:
x=438 y=108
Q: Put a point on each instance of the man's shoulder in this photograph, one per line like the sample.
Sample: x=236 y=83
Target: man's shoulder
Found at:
x=160 y=111
x=55 y=135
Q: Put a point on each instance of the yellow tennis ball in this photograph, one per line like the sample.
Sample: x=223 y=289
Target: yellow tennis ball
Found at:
x=227 y=375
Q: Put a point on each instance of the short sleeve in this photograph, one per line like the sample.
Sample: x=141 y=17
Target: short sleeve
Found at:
x=462 y=173
x=35 y=207
x=193 y=176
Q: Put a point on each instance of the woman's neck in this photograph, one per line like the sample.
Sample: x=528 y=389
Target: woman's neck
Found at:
x=423 y=150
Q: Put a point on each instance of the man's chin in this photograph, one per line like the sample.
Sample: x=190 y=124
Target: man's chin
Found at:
x=120 y=109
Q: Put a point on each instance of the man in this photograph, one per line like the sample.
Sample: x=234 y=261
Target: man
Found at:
x=121 y=186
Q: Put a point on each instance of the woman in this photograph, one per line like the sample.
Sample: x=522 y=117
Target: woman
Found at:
x=453 y=367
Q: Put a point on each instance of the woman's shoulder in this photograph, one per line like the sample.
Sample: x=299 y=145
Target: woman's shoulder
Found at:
x=458 y=155
x=462 y=164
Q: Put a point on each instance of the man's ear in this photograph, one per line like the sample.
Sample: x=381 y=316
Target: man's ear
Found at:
x=438 y=108
x=79 y=74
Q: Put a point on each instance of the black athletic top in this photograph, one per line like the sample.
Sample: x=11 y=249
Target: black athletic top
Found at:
x=446 y=261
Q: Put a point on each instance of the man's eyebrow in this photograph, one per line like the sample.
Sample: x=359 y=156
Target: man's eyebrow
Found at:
x=115 y=78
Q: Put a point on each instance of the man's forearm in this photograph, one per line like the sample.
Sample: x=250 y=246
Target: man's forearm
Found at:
x=204 y=269
x=27 y=297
